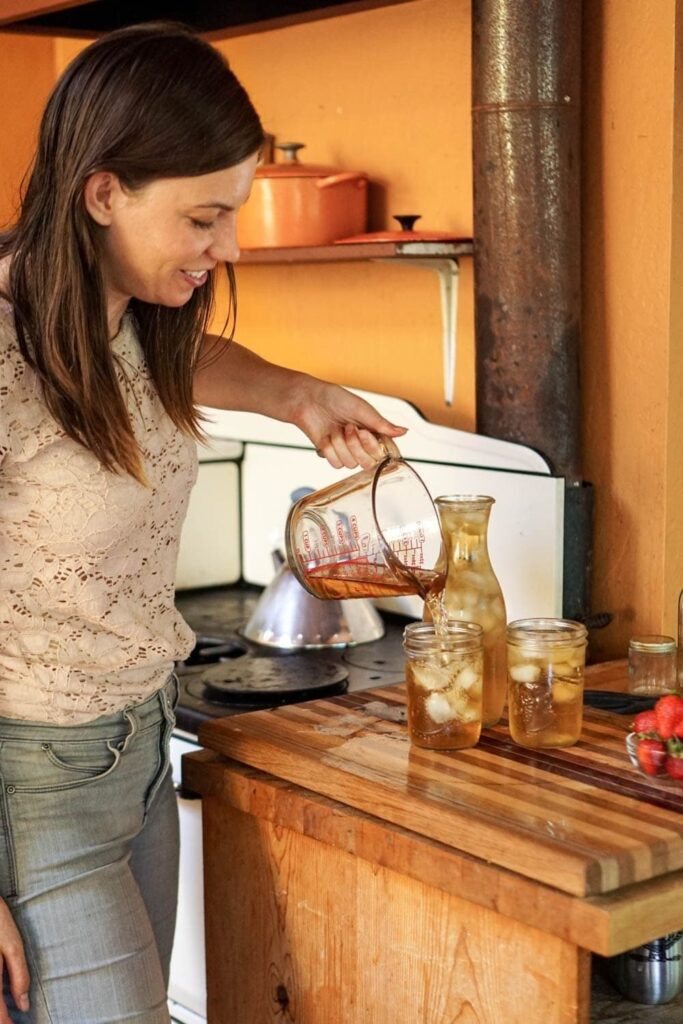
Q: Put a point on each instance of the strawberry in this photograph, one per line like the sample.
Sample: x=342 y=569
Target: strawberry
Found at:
x=674 y=764
x=645 y=722
x=668 y=713
x=651 y=756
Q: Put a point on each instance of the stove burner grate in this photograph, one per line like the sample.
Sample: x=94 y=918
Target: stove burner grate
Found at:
x=267 y=681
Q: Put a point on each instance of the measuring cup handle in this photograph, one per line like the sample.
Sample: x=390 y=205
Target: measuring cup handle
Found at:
x=389 y=447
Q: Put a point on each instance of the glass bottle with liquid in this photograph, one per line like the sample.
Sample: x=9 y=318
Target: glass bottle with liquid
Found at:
x=472 y=592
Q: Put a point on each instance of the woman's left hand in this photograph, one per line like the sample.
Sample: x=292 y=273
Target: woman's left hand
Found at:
x=344 y=428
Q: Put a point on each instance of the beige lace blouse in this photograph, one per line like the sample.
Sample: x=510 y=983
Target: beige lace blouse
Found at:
x=87 y=557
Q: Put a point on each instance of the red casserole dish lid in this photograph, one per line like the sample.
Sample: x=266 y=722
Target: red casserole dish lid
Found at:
x=406 y=234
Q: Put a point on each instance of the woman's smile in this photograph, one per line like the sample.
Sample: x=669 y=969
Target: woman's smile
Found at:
x=196 y=277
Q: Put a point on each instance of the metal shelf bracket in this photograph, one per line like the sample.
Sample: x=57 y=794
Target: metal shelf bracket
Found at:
x=448 y=270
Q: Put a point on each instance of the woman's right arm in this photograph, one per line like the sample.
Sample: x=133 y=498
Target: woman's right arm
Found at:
x=13 y=962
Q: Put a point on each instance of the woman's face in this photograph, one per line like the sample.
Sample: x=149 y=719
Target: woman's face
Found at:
x=161 y=241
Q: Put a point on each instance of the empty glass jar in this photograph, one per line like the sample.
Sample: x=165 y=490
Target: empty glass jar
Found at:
x=652 y=665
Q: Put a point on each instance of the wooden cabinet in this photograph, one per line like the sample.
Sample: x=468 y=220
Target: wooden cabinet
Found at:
x=350 y=877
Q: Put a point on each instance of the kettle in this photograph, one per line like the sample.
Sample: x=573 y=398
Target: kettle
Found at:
x=289 y=618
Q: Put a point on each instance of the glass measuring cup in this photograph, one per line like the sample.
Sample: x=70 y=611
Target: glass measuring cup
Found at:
x=374 y=534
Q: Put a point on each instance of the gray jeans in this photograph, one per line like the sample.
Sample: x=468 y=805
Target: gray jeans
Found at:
x=89 y=862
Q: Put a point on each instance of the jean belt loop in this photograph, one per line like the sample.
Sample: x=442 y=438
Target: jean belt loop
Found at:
x=166 y=701
x=176 y=687
x=131 y=718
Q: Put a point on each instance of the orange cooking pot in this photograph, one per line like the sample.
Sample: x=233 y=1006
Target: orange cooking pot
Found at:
x=293 y=204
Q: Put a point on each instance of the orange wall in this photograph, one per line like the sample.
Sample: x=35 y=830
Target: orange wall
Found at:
x=632 y=362
x=673 y=581
x=388 y=92
x=26 y=77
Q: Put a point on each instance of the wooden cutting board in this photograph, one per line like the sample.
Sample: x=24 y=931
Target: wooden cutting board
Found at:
x=581 y=819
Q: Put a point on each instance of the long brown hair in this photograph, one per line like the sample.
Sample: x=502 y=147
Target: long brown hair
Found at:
x=147 y=102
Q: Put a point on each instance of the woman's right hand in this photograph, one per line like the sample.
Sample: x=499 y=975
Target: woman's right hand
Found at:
x=13 y=961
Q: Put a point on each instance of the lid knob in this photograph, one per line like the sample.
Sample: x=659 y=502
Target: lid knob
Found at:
x=407 y=220
x=290 y=150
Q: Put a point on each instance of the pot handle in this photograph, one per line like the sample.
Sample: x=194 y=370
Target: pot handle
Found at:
x=339 y=179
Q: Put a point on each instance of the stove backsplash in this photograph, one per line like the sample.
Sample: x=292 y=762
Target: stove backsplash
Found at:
x=210 y=542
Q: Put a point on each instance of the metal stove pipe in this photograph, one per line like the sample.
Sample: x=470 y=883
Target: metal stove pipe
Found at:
x=526 y=107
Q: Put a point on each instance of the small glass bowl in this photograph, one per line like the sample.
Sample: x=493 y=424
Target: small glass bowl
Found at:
x=631 y=746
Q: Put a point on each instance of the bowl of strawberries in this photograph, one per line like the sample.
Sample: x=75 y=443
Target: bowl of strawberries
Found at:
x=655 y=746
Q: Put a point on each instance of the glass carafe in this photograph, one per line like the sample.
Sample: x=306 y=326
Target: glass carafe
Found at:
x=472 y=592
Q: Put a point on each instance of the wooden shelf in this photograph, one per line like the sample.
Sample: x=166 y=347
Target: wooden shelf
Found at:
x=360 y=252
x=220 y=17
x=441 y=257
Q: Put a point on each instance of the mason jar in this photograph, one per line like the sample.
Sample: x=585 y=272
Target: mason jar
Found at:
x=546 y=660
x=444 y=677
x=652 y=665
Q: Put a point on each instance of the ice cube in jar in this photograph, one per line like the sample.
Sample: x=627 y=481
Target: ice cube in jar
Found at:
x=545 y=679
x=444 y=684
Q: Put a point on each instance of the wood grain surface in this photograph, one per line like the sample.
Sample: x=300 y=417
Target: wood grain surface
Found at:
x=297 y=931
x=581 y=820
x=606 y=924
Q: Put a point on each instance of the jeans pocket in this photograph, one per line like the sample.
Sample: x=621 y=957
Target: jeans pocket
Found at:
x=37 y=766
x=85 y=759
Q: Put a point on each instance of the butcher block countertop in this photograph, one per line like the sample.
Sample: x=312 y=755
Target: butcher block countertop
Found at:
x=572 y=843
x=580 y=819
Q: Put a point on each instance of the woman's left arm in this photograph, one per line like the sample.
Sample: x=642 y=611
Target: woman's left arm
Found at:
x=342 y=427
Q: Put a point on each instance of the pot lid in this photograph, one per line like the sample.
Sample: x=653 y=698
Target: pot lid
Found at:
x=290 y=166
x=406 y=234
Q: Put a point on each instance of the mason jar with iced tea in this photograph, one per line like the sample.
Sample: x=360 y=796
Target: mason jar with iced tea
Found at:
x=444 y=677
x=546 y=660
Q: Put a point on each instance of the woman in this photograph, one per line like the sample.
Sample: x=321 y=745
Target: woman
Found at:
x=146 y=153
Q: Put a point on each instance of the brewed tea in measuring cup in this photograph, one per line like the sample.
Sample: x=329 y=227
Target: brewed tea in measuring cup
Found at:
x=374 y=534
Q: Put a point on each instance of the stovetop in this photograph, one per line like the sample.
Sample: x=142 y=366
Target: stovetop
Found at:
x=228 y=675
